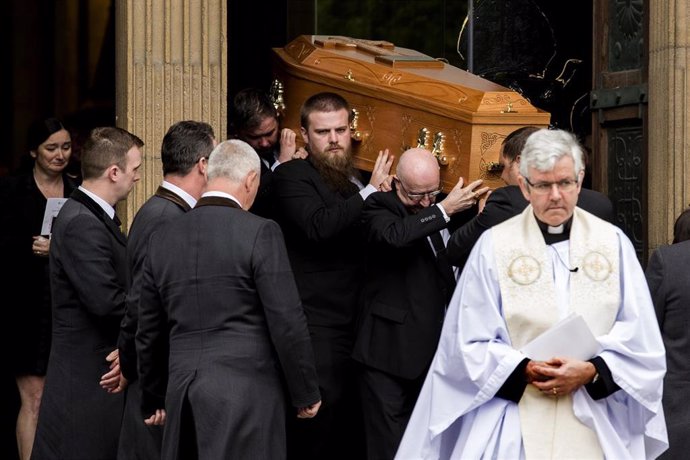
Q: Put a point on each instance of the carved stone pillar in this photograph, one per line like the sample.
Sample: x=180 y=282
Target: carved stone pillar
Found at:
x=669 y=124
x=171 y=58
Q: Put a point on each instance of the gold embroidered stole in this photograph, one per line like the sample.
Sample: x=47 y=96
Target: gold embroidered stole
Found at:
x=526 y=274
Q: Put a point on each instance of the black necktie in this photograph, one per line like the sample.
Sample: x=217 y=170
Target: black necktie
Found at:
x=437 y=241
x=444 y=266
x=116 y=220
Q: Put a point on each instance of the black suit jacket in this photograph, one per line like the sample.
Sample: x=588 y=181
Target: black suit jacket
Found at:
x=158 y=210
x=668 y=275
x=263 y=203
x=506 y=202
x=406 y=291
x=77 y=418
x=324 y=239
x=218 y=288
x=136 y=439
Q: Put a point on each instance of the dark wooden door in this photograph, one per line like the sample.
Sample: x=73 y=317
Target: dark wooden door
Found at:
x=619 y=112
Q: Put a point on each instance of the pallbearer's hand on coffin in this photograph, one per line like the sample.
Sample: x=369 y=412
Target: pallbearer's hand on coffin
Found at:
x=288 y=147
x=382 y=168
x=461 y=198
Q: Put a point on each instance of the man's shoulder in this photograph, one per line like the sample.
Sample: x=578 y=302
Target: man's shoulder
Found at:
x=296 y=172
x=160 y=207
x=509 y=195
x=217 y=219
x=77 y=219
x=388 y=200
x=681 y=249
x=292 y=167
x=73 y=208
x=155 y=212
x=596 y=203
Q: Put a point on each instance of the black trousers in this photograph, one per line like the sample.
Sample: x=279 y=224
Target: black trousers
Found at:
x=387 y=403
x=336 y=431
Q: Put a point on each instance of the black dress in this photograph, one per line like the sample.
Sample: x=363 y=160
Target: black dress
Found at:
x=25 y=275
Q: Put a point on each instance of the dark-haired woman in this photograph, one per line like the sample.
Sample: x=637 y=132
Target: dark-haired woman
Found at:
x=28 y=290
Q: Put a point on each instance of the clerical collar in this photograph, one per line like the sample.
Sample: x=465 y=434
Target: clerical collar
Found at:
x=555 y=234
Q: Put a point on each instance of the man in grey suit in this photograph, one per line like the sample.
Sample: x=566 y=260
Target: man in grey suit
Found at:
x=668 y=276
x=184 y=154
x=87 y=272
x=218 y=297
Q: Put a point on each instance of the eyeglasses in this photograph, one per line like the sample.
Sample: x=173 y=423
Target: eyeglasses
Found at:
x=418 y=196
x=542 y=188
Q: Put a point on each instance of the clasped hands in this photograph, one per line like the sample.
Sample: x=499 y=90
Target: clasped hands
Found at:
x=559 y=376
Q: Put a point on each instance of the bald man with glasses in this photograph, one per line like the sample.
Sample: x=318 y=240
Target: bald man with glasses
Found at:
x=408 y=285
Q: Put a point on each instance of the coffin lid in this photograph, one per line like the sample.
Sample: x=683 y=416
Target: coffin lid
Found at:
x=380 y=66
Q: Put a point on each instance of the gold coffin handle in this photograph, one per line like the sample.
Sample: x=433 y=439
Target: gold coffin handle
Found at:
x=439 y=141
x=355 y=133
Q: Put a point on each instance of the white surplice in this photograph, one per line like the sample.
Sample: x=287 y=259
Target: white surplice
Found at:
x=457 y=415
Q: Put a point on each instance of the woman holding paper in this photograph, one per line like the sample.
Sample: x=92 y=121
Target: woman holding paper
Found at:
x=27 y=242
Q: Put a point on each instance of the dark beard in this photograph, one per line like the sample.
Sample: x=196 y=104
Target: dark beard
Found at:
x=336 y=172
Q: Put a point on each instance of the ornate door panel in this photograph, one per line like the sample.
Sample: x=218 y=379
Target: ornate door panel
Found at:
x=619 y=110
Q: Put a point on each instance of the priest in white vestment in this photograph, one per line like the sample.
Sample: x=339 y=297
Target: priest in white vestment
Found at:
x=485 y=398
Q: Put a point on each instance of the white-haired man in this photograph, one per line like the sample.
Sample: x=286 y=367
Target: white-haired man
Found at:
x=484 y=397
x=215 y=293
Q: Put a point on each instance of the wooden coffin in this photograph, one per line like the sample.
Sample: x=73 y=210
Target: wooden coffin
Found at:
x=404 y=99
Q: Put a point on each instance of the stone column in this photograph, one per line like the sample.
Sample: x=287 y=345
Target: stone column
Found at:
x=669 y=131
x=171 y=65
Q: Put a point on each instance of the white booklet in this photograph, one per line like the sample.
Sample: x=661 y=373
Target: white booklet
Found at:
x=569 y=338
x=52 y=208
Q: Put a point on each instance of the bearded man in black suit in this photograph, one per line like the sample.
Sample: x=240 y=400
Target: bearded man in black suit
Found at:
x=318 y=203
x=184 y=154
x=219 y=299
x=407 y=288
x=506 y=202
x=88 y=276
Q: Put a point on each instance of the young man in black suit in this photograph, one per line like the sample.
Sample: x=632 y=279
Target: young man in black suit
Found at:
x=506 y=202
x=184 y=154
x=254 y=120
x=224 y=307
x=318 y=204
x=88 y=268
x=408 y=285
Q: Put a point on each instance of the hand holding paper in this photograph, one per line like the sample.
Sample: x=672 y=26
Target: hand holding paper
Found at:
x=559 y=357
x=570 y=338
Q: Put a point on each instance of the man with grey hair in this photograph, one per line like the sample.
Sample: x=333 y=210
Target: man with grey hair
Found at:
x=505 y=202
x=215 y=297
x=488 y=394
